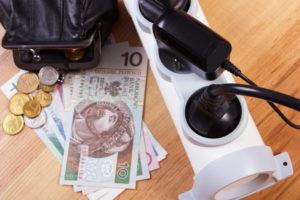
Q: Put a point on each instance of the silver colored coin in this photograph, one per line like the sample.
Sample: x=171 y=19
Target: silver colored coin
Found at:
x=37 y=122
x=48 y=75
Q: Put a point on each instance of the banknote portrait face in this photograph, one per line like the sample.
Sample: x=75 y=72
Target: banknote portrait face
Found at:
x=105 y=127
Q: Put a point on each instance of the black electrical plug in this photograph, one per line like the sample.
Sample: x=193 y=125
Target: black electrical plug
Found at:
x=214 y=111
x=184 y=45
x=192 y=40
x=212 y=116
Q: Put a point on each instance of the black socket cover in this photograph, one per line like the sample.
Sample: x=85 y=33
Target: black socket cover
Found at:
x=207 y=126
x=153 y=9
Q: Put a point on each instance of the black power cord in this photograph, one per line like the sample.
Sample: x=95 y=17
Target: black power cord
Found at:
x=227 y=65
x=196 y=43
x=215 y=90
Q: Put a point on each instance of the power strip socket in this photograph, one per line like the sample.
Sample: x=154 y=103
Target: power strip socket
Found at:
x=231 y=167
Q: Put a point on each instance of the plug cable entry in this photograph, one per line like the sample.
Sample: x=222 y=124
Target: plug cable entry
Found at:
x=216 y=90
x=230 y=67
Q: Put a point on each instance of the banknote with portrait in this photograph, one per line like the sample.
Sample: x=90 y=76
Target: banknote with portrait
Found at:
x=104 y=122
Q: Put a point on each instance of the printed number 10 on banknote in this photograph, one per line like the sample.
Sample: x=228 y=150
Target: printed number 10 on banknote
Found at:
x=104 y=124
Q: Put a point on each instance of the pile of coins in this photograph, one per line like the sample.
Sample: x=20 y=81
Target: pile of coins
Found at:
x=26 y=105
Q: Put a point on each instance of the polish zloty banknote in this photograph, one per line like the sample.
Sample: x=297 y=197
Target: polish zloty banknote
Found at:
x=54 y=130
x=159 y=151
x=106 y=116
x=142 y=170
x=60 y=111
x=106 y=194
x=108 y=60
x=101 y=192
x=68 y=88
x=71 y=78
x=151 y=157
x=10 y=87
x=111 y=193
x=55 y=117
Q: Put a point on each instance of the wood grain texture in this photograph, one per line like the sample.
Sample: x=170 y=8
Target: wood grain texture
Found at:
x=265 y=36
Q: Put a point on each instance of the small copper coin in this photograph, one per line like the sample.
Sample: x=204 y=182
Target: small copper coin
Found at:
x=44 y=98
x=13 y=124
x=32 y=108
x=28 y=82
x=75 y=54
x=47 y=88
x=17 y=102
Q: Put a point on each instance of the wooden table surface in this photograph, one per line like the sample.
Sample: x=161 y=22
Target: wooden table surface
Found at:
x=265 y=36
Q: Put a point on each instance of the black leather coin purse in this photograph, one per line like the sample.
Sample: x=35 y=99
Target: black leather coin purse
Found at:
x=65 y=34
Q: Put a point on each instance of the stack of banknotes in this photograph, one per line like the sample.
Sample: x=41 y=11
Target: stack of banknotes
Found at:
x=94 y=125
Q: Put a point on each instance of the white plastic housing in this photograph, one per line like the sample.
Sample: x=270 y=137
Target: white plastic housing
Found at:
x=202 y=152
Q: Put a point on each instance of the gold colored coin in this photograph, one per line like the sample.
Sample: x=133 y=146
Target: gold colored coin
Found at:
x=28 y=82
x=75 y=54
x=13 y=124
x=31 y=97
x=44 y=98
x=47 y=88
x=32 y=109
x=17 y=102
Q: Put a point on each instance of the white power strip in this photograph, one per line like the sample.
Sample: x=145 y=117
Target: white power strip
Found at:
x=230 y=167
